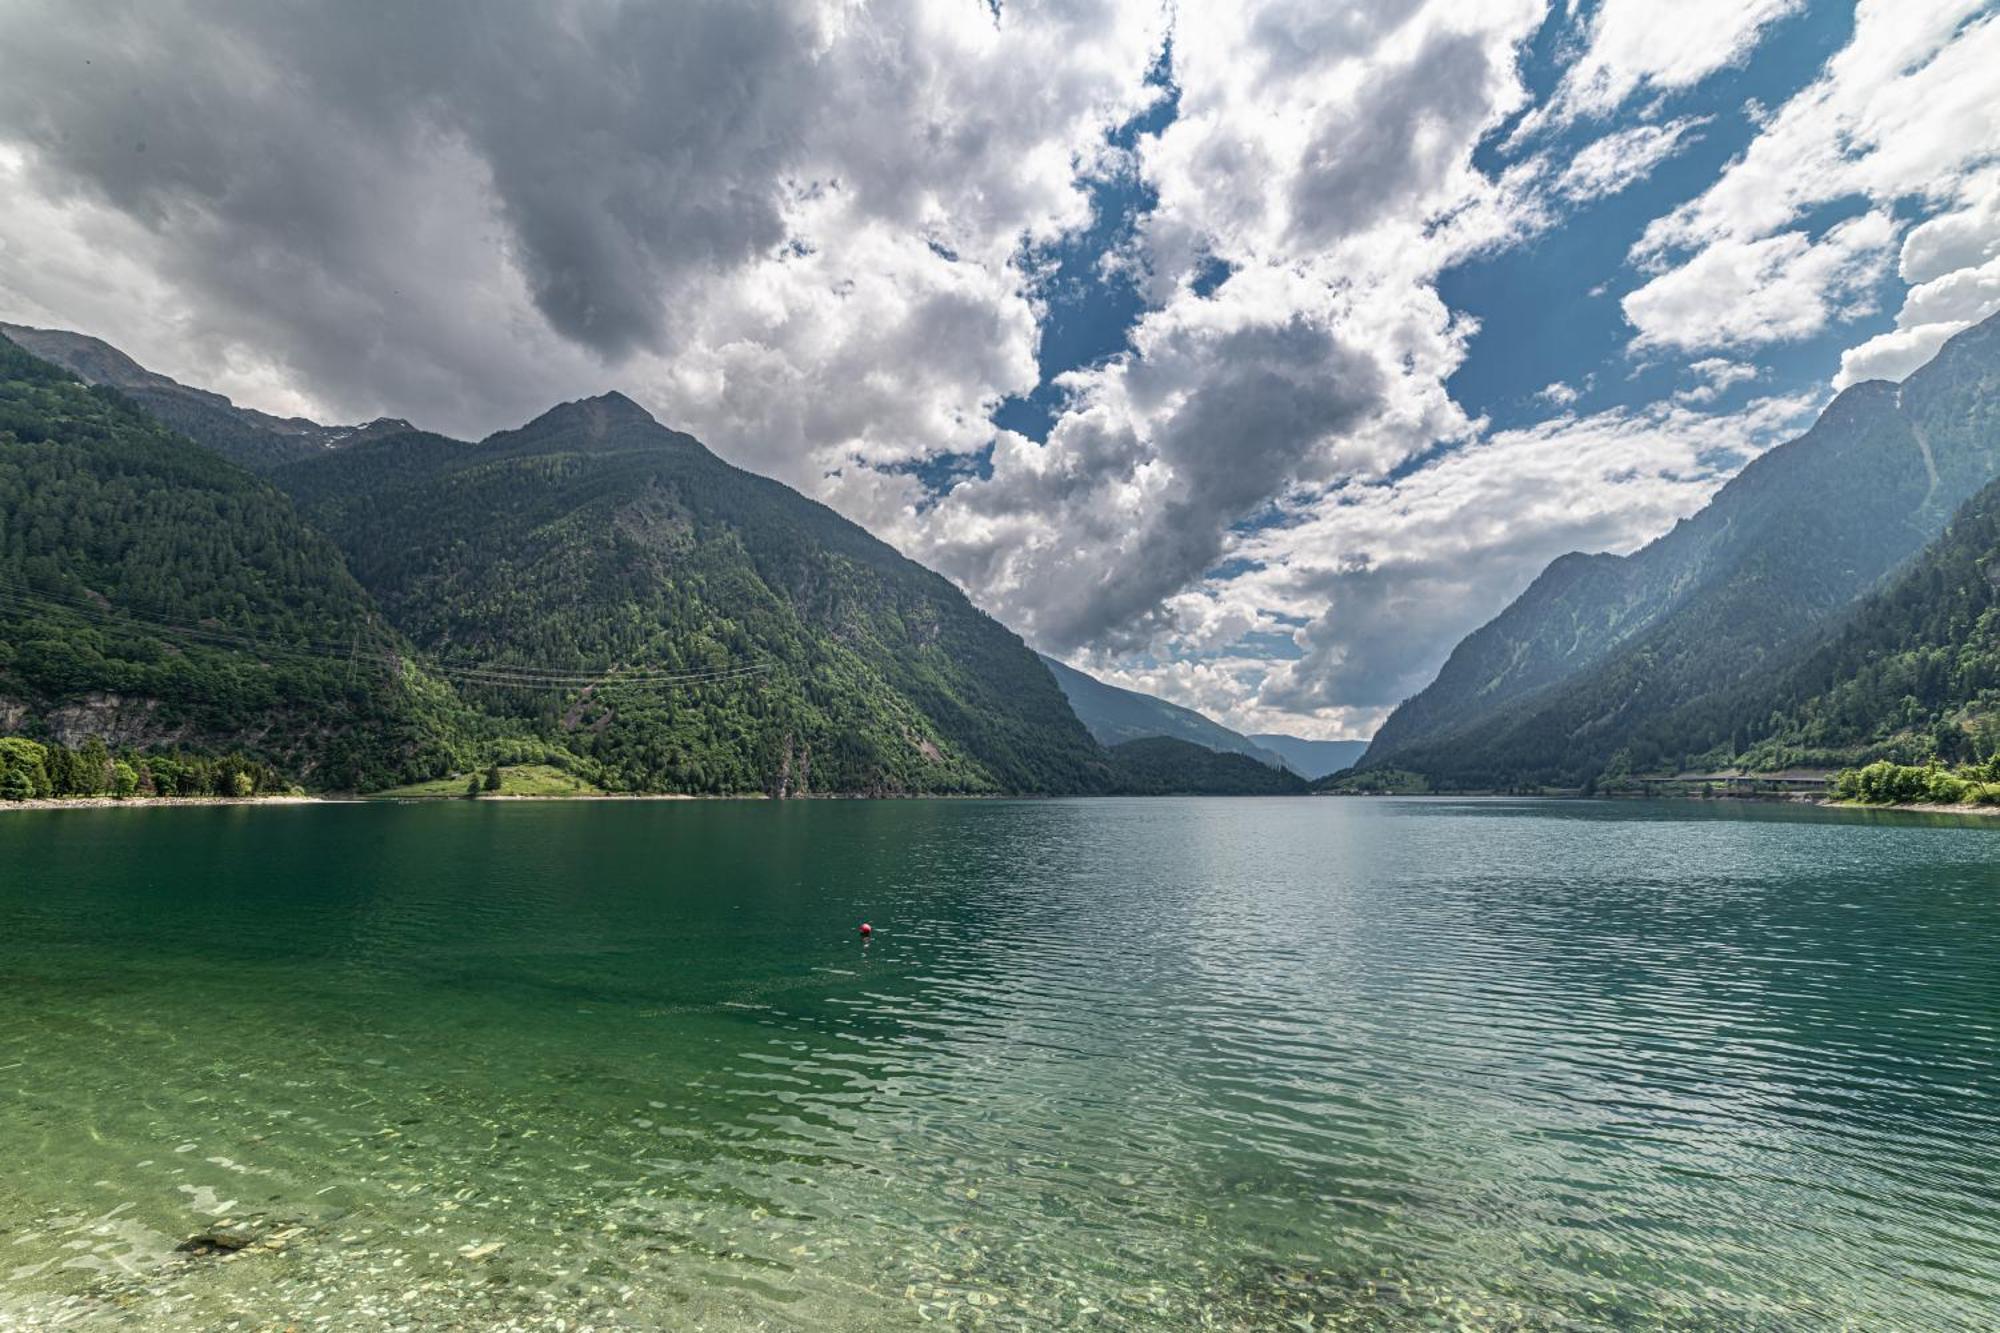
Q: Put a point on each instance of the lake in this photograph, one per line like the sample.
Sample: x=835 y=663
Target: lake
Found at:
x=1106 y=1064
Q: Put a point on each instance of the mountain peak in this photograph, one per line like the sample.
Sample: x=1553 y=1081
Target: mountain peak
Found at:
x=596 y=417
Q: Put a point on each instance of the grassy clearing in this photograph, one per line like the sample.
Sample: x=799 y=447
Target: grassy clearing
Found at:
x=519 y=780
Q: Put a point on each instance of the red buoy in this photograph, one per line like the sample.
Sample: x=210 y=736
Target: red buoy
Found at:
x=866 y=930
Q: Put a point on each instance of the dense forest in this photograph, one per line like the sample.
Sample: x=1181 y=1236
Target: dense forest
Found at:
x=36 y=770
x=154 y=594
x=1687 y=651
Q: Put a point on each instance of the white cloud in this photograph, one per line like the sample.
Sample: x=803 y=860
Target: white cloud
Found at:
x=1335 y=182
x=1375 y=582
x=1641 y=46
x=1954 y=261
x=1623 y=158
x=1964 y=237
x=1718 y=375
x=1908 y=111
x=1746 y=292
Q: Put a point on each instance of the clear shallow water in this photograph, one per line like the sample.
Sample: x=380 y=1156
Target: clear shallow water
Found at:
x=1112 y=1064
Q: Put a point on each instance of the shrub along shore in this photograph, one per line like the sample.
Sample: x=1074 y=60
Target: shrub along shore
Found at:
x=37 y=771
x=1886 y=783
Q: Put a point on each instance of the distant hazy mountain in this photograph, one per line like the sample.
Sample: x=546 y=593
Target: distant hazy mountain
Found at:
x=1565 y=682
x=1312 y=759
x=256 y=440
x=1169 y=766
x=1114 y=716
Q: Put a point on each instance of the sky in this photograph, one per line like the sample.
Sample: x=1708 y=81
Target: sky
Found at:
x=1248 y=354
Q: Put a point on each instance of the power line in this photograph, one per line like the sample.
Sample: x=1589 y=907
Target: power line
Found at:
x=489 y=674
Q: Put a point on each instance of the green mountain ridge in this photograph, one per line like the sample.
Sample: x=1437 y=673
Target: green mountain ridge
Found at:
x=594 y=538
x=252 y=439
x=153 y=594
x=1913 y=675
x=1571 y=679
x=591 y=590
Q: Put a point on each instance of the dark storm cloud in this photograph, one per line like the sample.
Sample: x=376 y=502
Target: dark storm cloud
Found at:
x=337 y=175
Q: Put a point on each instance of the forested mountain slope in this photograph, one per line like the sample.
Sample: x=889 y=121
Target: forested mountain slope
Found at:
x=1912 y=675
x=153 y=593
x=1564 y=684
x=594 y=539
x=1114 y=715
x=256 y=440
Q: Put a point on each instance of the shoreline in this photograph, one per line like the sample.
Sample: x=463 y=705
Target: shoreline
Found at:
x=1916 y=808
x=111 y=802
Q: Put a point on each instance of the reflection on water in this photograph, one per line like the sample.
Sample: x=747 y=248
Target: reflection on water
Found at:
x=1111 y=1064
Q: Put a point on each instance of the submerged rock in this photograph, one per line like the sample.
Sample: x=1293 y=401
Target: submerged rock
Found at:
x=223 y=1237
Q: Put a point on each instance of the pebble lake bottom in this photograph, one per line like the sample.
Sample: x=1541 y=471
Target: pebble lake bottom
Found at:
x=1111 y=1064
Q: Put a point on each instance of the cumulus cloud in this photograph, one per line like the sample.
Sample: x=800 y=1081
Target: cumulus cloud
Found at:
x=1716 y=375
x=1747 y=292
x=1335 y=185
x=1908 y=111
x=1953 y=260
x=1639 y=46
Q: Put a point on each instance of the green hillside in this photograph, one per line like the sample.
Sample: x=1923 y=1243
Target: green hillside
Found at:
x=154 y=595
x=596 y=540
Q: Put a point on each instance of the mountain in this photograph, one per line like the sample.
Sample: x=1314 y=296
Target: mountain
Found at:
x=595 y=540
x=152 y=593
x=253 y=439
x=1169 y=766
x=1912 y=675
x=1563 y=684
x=1114 y=716
x=1311 y=760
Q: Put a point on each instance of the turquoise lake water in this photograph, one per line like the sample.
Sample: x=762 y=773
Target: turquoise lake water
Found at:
x=1120 y=1064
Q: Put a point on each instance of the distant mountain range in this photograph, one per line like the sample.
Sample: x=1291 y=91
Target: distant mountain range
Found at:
x=1115 y=715
x=1720 y=643
x=1311 y=759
